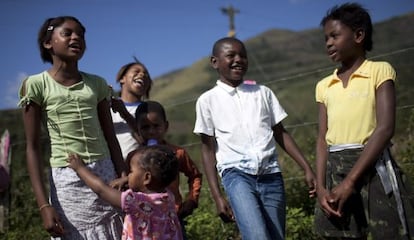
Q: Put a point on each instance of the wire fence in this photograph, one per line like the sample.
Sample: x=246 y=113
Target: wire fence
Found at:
x=293 y=78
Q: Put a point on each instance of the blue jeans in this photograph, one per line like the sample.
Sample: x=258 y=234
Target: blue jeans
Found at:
x=258 y=203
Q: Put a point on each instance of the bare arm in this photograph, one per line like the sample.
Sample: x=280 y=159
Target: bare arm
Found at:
x=118 y=106
x=209 y=162
x=321 y=147
x=104 y=191
x=287 y=143
x=107 y=126
x=324 y=199
x=380 y=138
x=32 y=127
x=120 y=183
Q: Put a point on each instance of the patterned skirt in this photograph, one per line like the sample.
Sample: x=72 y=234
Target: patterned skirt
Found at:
x=83 y=214
x=369 y=209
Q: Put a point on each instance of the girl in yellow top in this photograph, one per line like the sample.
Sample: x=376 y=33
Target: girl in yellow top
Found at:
x=360 y=187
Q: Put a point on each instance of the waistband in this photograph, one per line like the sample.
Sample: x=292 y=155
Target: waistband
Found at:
x=340 y=147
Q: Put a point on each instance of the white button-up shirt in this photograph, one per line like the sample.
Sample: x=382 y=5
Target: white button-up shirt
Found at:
x=241 y=120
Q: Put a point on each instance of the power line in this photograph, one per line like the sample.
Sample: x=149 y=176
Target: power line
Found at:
x=393 y=52
x=299 y=75
x=323 y=69
x=294 y=126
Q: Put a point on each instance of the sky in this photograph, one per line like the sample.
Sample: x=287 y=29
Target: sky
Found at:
x=165 y=35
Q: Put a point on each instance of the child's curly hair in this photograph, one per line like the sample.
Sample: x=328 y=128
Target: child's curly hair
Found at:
x=159 y=160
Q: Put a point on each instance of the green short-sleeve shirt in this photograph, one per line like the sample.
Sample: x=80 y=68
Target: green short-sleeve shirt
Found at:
x=70 y=114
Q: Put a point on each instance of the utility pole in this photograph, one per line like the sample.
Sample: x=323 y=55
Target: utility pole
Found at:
x=230 y=11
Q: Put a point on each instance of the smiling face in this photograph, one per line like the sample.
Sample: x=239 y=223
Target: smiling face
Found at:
x=230 y=61
x=342 y=44
x=135 y=83
x=67 y=41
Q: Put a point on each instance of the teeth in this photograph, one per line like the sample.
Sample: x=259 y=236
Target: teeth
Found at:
x=330 y=52
x=139 y=81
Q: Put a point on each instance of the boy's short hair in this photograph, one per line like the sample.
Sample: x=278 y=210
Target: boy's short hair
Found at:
x=150 y=106
x=355 y=17
x=218 y=43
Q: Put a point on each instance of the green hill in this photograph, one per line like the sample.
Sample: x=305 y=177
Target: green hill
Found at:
x=290 y=63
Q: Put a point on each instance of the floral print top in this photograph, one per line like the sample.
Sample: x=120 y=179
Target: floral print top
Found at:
x=150 y=216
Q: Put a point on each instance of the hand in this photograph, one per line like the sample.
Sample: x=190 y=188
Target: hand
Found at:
x=140 y=140
x=224 y=210
x=75 y=162
x=340 y=194
x=311 y=183
x=51 y=222
x=118 y=105
x=119 y=183
x=326 y=202
x=186 y=208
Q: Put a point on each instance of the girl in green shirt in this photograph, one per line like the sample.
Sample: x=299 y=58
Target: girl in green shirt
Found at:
x=74 y=107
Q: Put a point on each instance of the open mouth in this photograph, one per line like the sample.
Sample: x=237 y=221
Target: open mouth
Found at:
x=238 y=68
x=75 y=46
x=138 y=81
x=331 y=53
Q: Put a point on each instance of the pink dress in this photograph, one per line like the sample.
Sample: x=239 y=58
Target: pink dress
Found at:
x=150 y=216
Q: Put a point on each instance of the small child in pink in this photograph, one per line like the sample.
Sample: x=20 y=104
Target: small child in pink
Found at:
x=148 y=205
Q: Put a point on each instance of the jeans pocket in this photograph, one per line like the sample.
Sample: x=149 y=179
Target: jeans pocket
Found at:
x=229 y=176
x=225 y=172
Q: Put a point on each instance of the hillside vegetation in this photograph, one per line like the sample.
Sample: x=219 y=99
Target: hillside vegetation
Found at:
x=288 y=62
